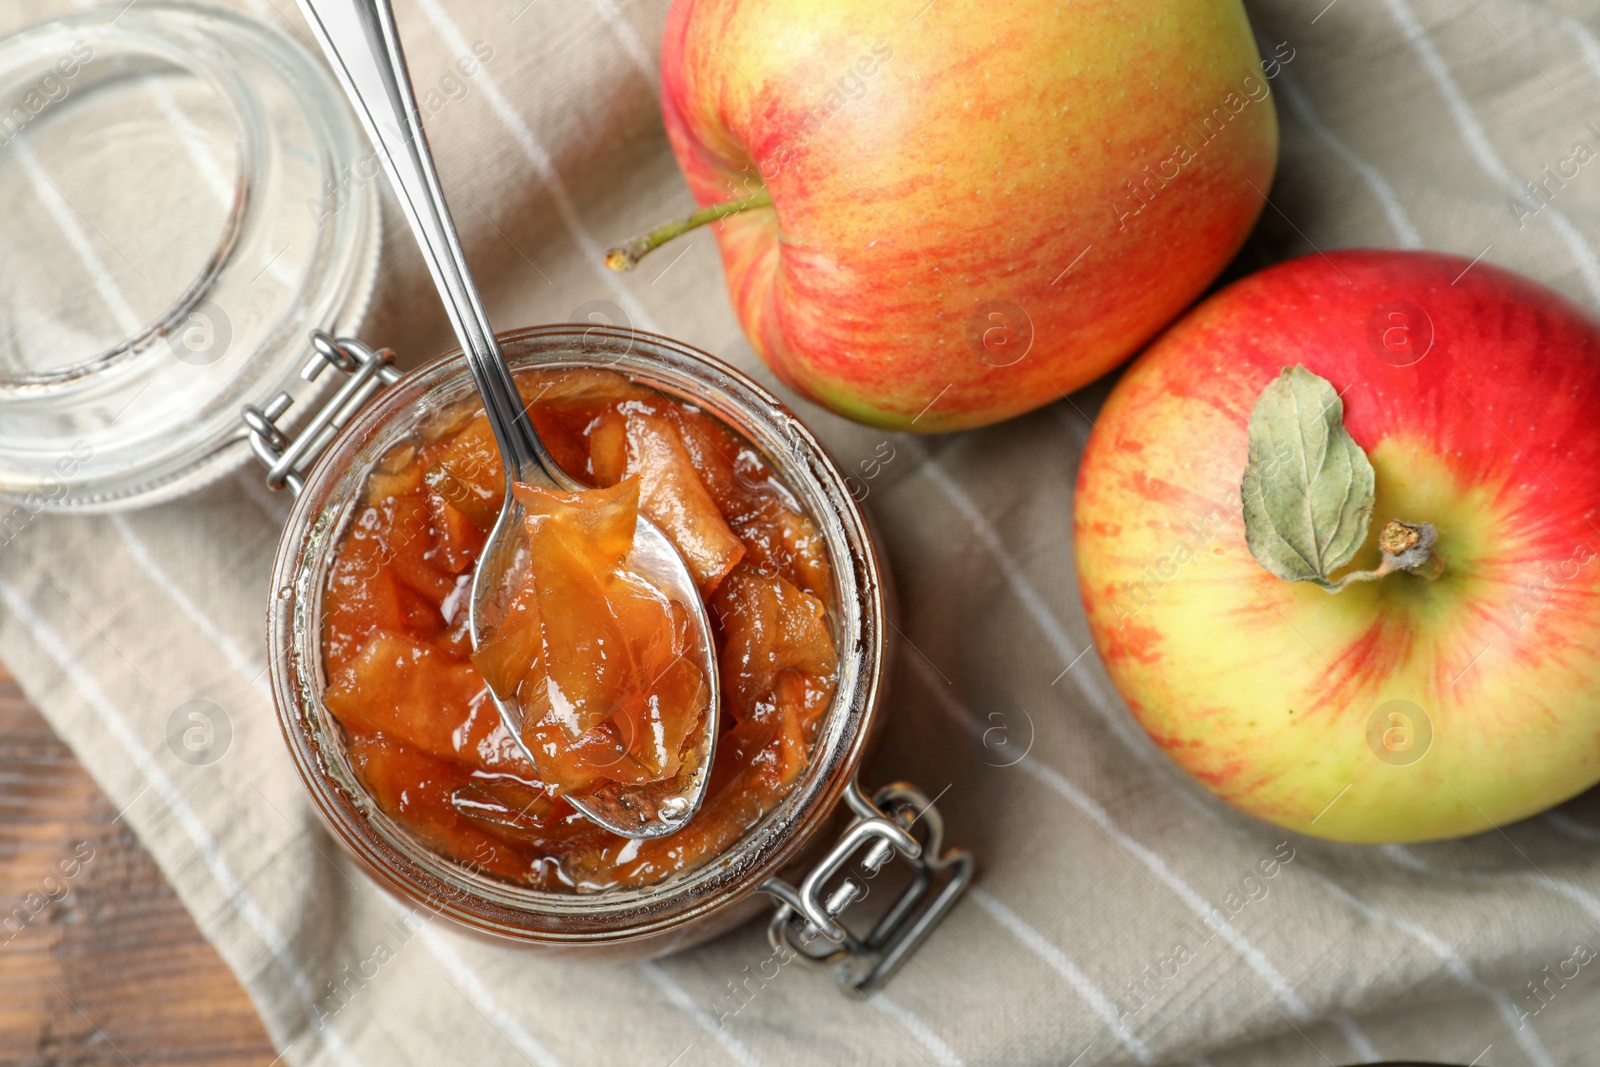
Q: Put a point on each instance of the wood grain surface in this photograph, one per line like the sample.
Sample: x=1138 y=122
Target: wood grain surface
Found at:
x=99 y=962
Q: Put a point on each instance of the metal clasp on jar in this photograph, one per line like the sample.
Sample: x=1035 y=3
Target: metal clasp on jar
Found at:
x=287 y=459
x=807 y=919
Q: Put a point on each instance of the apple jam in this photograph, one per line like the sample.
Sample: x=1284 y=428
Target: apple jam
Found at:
x=596 y=657
x=423 y=734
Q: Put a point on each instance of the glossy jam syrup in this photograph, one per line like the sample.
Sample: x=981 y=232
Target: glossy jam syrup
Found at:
x=423 y=734
x=600 y=661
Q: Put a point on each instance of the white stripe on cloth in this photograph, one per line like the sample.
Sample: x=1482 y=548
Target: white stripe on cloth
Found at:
x=910 y=1024
x=1479 y=147
x=64 y=216
x=1571 y=827
x=1379 y=186
x=638 y=54
x=593 y=253
x=1105 y=702
x=1580 y=33
x=245 y=667
x=234 y=891
x=205 y=163
x=1097 y=815
x=1455 y=965
x=242 y=664
x=1585 y=899
x=681 y=1000
x=1059 y=962
x=1364 y=1049
x=479 y=996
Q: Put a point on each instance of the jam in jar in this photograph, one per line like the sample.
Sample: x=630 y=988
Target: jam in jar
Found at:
x=596 y=660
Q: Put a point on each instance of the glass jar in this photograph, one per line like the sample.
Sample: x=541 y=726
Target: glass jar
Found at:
x=188 y=197
x=693 y=905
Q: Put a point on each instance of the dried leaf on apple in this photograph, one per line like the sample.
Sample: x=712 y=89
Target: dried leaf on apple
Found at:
x=1308 y=487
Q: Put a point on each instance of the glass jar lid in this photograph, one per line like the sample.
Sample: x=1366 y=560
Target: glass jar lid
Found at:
x=186 y=203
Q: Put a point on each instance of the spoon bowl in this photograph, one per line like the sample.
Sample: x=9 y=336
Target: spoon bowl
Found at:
x=363 y=46
x=641 y=811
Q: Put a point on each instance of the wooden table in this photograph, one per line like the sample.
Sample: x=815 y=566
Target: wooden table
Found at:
x=114 y=972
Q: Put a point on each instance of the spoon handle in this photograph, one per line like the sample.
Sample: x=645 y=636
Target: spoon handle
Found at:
x=363 y=46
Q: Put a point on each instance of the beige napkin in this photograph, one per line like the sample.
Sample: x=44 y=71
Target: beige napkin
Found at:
x=1405 y=122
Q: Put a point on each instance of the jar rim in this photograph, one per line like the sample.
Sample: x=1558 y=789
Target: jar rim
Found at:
x=316 y=524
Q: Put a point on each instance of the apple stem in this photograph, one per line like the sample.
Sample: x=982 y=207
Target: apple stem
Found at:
x=627 y=256
x=1406 y=546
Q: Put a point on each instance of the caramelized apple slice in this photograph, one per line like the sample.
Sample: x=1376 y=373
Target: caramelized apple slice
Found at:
x=513 y=651
x=563 y=441
x=363 y=596
x=608 y=448
x=458 y=541
x=796 y=723
x=576 y=765
x=396 y=474
x=735 y=474
x=582 y=388
x=575 y=542
x=657 y=722
x=752 y=767
x=785 y=543
x=421 y=615
x=404 y=527
x=609 y=695
x=597 y=524
x=673 y=497
x=645 y=740
x=414 y=789
x=468 y=475
x=770 y=627
x=425 y=699
x=656 y=630
x=759 y=508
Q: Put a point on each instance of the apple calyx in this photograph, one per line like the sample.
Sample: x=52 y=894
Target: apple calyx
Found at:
x=1406 y=546
x=627 y=256
x=1308 y=491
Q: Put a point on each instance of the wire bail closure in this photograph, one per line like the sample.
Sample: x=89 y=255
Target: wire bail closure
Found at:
x=288 y=459
x=809 y=914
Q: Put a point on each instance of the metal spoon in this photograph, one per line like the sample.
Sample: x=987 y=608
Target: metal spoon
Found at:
x=361 y=42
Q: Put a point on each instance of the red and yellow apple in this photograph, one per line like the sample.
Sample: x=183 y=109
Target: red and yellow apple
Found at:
x=1402 y=709
x=963 y=210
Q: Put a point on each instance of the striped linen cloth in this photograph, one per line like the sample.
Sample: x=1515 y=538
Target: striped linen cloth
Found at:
x=1121 y=915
